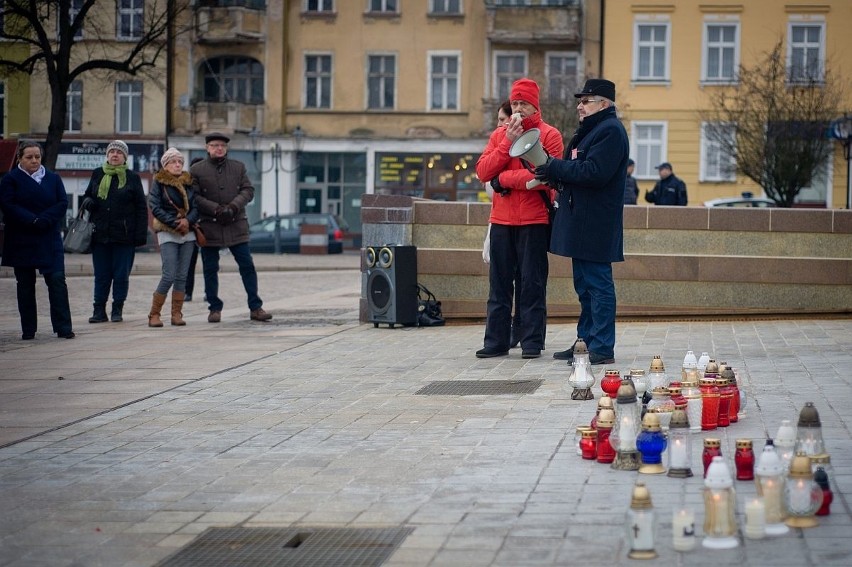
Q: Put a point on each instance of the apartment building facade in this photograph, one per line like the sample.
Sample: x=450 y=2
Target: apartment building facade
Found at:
x=667 y=58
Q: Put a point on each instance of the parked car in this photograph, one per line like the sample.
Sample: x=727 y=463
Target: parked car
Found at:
x=747 y=199
x=262 y=233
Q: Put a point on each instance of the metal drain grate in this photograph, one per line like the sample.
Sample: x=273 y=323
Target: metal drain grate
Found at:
x=479 y=387
x=290 y=547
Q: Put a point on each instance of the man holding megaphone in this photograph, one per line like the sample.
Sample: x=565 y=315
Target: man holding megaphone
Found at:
x=519 y=228
x=589 y=222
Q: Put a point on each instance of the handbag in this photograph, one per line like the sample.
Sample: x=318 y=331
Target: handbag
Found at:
x=78 y=239
x=428 y=308
x=200 y=237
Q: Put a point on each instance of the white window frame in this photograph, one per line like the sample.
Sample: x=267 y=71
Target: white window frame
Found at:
x=124 y=103
x=810 y=23
x=711 y=149
x=318 y=76
x=646 y=164
x=73 y=9
x=496 y=77
x=133 y=9
x=444 y=78
x=445 y=8
x=578 y=61
x=319 y=6
x=720 y=45
x=382 y=78
x=74 y=100
x=666 y=45
x=383 y=7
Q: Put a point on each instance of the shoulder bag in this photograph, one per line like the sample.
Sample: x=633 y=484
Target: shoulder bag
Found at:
x=78 y=239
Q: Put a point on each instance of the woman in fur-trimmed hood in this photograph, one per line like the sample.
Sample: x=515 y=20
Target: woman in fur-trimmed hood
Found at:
x=172 y=203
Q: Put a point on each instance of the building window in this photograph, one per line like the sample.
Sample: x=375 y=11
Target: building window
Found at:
x=317 y=81
x=232 y=79
x=384 y=6
x=562 y=76
x=648 y=145
x=806 y=52
x=319 y=5
x=2 y=108
x=128 y=107
x=73 y=9
x=445 y=7
x=130 y=13
x=721 y=52
x=651 y=51
x=508 y=68
x=74 y=113
x=444 y=82
x=717 y=163
x=381 y=82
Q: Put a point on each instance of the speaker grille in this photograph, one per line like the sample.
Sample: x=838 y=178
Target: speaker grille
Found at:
x=380 y=291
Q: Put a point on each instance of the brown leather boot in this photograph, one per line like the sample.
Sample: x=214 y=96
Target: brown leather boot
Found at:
x=177 y=305
x=156 y=308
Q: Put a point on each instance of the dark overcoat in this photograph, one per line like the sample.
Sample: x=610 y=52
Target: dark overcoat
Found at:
x=219 y=182
x=122 y=217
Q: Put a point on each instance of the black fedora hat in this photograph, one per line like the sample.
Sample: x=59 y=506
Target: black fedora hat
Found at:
x=216 y=136
x=598 y=87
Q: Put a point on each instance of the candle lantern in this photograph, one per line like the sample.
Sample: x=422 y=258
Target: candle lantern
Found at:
x=679 y=446
x=689 y=362
x=692 y=393
x=802 y=496
x=709 y=404
x=726 y=398
x=589 y=445
x=769 y=480
x=744 y=459
x=702 y=362
x=712 y=448
x=610 y=383
x=606 y=419
x=651 y=443
x=676 y=394
x=734 y=405
x=581 y=378
x=578 y=436
x=662 y=404
x=657 y=376
x=821 y=478
x=720 y=501
x=640 y=382
x=809 y=433
x=640 y=524
x=604 y=402
x=626 y=428
x=741 y=409
x=712 y=369
x=755 y=527
x=683 y=530
x=785 y=442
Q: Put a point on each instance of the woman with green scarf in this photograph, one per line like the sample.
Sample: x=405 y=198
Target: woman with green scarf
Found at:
x=116 y=200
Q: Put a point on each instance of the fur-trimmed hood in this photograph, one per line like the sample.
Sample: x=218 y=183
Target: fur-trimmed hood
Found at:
x=181 y=181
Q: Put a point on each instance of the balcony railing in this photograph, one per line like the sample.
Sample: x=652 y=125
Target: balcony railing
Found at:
x=226 y=20
x=534 y=22
x=228 y=116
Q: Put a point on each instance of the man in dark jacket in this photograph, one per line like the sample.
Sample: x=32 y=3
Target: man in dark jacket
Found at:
x=669 y=190
x=222 y=191
x=631 y=190
x=589 y=224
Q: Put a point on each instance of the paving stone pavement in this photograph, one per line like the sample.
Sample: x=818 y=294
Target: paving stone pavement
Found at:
x=155 y=435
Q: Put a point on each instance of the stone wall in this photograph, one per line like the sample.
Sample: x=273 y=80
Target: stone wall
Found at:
x=679 y=261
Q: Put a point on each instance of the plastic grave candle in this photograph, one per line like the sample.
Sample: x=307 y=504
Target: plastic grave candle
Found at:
x=651 y=443
x=809 y=433
x=726 y=396
x=744 y=459
x=821 y=478
x=683 y=530
x=626 y=428
x=581 y=379
x=709 y=404
x=606 y=419
x=769 y=480
x=802 y=496
x=640 y=524
x=702 y=362
x=712 y=448
x=589 y=445
x=578 y=435
x=657 y=376
x=679 y=452
x=661 y=403
x=690 y=391
x=720 y=525
x=640 y=382
x=755 y=527
x=610 y=383
x=604 y=402
x=734 y=406
x=689 y=363
x=785 y=442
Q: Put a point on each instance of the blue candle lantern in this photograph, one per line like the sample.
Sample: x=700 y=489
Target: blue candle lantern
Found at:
x=651 y=443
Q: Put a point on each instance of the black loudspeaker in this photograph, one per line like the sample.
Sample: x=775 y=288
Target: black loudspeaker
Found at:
x=391 y=284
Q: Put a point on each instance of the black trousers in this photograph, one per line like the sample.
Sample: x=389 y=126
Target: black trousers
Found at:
x=521 y=248
x=57 y=293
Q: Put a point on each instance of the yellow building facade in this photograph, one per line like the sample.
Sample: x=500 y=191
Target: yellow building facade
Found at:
x=666 y=58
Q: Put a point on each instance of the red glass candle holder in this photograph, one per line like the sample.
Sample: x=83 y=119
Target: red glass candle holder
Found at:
x=606 y=452
x=712 y=448
x=726 y=395
x=610 y=383
x=744 y=459
x=588 y=445
x=709 y=404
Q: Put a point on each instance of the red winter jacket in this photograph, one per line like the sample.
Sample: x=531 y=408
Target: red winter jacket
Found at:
x=520 y=206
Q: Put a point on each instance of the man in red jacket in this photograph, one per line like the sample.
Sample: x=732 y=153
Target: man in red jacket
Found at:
x=519 y=228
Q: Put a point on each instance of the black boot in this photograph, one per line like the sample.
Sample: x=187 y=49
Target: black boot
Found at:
x=115 y=316
x=99 y=314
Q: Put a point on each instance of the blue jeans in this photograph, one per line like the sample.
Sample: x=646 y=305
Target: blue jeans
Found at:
x=112 y=263
x=176 y=258
x=596 y=292
x=57 y=293
x=242 y=255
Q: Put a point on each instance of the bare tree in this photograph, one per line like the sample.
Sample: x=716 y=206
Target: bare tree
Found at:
x=65 y=39
x=773 y=123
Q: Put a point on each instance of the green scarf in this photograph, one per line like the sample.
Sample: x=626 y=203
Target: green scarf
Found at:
x=106 y=181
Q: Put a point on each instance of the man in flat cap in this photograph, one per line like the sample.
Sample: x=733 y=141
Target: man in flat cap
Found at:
x=589 y=225
x=222 y=191
x=669 y=190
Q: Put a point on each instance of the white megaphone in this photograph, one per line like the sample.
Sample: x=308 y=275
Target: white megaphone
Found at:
x=528 y=147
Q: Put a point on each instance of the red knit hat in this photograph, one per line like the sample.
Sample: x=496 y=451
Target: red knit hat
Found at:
x=525 y=90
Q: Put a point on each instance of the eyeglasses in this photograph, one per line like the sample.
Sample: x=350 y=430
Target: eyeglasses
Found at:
x=587 y=101
x=217 y=145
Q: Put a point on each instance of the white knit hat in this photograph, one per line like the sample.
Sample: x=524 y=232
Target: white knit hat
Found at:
x=169 y=155
x=120 y=146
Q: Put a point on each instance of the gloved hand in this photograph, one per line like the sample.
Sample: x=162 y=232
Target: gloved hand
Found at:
x=88 y=204
x=495 y=185
x=235 y=210
x=42 y=225
x=541 y=171
x=223 y=215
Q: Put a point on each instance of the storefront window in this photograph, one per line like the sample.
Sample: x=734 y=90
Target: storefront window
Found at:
x=439 y=176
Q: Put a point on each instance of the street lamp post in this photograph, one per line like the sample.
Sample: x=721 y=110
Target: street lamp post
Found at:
x=276 y=160
x=841 y=129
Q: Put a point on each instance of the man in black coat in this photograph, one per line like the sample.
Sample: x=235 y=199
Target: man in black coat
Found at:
x=589 y=224
x=669 y=190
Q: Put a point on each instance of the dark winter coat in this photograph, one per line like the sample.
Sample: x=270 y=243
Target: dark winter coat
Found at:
x=222 y=182
x=589 y=223
x=121 y=218
x=165 y=197
x=631 y=190
x=22 y=200
x=668 y=191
